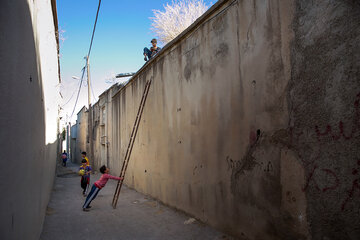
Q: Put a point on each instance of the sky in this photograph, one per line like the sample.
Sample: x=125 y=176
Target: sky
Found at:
x=122 y=31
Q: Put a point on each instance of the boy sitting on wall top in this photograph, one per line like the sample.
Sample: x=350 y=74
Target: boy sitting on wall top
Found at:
x=152 y=51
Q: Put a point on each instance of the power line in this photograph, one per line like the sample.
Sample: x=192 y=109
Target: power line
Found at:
x=92 y=37
x=77 y=97
x=69 y=98
x=91 y=42
x=83 y=73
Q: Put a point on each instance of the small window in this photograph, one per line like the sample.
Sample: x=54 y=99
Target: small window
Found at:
x=103 y=116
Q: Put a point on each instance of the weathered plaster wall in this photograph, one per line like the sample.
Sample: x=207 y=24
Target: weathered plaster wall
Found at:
x=205 y=141
x=252 y=120
x=73 y=151
x=100 y=135
x=28 y=160
x=81 y=134
x=96 y=134
x=102 y=131
x=324 y=124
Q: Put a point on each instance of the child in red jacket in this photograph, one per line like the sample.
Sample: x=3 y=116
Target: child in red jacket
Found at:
x=99 y=184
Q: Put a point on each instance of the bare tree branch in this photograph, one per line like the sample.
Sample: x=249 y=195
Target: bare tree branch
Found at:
x=175 y=18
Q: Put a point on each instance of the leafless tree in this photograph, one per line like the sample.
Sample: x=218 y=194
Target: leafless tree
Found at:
x=175 y=18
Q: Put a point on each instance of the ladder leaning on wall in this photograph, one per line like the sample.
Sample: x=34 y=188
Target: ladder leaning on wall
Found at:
x=131 y=142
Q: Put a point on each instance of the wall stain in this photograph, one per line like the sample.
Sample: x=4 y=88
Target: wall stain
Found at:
x=222 y=51
x=247 y=163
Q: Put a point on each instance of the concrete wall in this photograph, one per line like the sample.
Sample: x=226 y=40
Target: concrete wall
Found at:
x=81 y=134
x=97 y=131
x=324 y=114
x=73 y=132
x=102 y=131
x=28 y=160
x=204 y=144
x=252 y=120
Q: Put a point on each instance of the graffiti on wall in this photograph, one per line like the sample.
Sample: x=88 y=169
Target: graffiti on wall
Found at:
x=342 y=131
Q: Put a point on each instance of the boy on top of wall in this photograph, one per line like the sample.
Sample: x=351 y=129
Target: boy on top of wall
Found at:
x=149 y=53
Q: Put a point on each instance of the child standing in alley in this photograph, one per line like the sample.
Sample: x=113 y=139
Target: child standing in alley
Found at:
x=84 y=171
x=64 y=158
x=83 y=155
x=99 y=184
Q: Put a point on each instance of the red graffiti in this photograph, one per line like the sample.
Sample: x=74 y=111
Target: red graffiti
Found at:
x=337 y=182
x=341 y=132
x=312 y=142
x=336 y=136
x=309 y=179
x=355 y=186
x=312 y=179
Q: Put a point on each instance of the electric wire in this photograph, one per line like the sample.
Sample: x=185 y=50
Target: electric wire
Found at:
x=72 y=95
x=77 y=97
x=91 y=42
x=92 y=37
x=82 y=76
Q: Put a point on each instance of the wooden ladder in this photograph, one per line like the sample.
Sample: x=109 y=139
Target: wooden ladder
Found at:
x=131 y=142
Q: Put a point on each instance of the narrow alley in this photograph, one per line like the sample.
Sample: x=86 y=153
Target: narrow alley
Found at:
x=136 y=216
x=229 y=119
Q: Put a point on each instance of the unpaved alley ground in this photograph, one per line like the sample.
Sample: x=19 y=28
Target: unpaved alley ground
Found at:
x=136 y=217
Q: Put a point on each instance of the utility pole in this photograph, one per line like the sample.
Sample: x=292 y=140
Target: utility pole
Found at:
x=90 y=128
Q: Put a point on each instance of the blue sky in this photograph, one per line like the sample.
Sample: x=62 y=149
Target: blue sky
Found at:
x=123 y=30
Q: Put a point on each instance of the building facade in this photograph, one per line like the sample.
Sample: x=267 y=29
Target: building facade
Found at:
x=29 y=105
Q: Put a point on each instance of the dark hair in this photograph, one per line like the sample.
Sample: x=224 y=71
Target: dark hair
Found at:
x=84 y=161
x=83 y=153
x=154 y=40
x=103 y=169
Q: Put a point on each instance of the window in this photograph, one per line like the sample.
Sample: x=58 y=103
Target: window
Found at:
x=103 y=116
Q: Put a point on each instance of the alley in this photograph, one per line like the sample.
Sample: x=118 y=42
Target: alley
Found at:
x=136 y=217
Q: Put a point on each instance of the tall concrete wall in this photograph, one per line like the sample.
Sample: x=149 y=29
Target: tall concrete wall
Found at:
x=203 y=146
x=73 y=132
x=81 y=134
x=102 y=127
x=252 y=120
x=28 y=157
